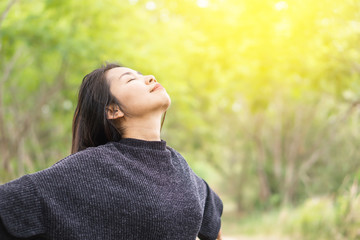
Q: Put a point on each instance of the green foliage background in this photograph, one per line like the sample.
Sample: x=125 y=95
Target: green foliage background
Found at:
x=265 y=94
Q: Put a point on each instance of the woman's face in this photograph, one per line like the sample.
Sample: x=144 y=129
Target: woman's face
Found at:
x=138 y=95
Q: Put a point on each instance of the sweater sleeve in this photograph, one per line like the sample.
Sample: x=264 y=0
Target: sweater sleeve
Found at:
x=4 y=235
x=20 y=209
x=211 y=223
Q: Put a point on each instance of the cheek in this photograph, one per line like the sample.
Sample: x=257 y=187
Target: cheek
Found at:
x=126 y=93
x=133 y=98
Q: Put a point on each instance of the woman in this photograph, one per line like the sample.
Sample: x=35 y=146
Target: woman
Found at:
x=121 y=181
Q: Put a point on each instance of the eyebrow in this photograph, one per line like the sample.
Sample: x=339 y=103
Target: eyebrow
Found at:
x=128 y=73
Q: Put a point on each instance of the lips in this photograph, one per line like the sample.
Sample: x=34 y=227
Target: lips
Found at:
x=157 y=86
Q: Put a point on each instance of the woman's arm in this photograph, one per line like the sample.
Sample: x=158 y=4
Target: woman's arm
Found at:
x=21 y=215
x=4 y=235
x=211 y=223
x=219 y=236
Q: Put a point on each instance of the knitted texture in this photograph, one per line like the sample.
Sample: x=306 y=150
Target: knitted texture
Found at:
x=131 y=189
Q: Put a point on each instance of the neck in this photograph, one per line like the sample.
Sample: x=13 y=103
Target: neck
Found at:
x=147 y=128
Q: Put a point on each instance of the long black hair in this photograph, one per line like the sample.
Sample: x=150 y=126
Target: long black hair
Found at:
x=91 y=127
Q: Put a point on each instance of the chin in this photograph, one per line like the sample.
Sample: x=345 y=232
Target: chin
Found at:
x=167 y=104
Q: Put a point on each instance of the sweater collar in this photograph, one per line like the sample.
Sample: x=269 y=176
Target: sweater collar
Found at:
x=140 y=143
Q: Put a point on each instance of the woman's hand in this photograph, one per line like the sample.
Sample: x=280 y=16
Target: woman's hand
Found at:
x=219 y=236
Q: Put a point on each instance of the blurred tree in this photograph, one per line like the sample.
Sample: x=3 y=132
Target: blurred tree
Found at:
x=266 y=93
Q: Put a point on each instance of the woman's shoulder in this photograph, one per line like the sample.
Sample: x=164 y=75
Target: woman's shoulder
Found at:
x=174 y=152
x=183 y=164
x=88 y=154
x=175 y=155
x=75 y=164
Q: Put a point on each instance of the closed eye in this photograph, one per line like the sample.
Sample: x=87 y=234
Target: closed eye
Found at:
x=131 y=79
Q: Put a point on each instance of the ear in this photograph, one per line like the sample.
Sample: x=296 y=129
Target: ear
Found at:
x=113 y=112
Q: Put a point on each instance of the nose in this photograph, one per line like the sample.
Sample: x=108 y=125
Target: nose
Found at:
x=150 y=79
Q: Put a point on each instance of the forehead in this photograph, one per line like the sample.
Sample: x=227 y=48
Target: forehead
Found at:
x=118 y=71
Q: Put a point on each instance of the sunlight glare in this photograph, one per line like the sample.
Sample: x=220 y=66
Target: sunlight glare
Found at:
x=150 y=5
x=133 y=2
x=203 y=3
x=279 y=6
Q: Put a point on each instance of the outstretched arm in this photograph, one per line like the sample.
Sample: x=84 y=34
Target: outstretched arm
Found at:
x=219 y=236
x=4 y=235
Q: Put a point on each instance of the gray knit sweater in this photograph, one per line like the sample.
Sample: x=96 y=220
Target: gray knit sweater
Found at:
x=132 y=189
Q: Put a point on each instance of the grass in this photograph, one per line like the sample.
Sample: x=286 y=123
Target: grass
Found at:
x=234 y=224
x=317 y=218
